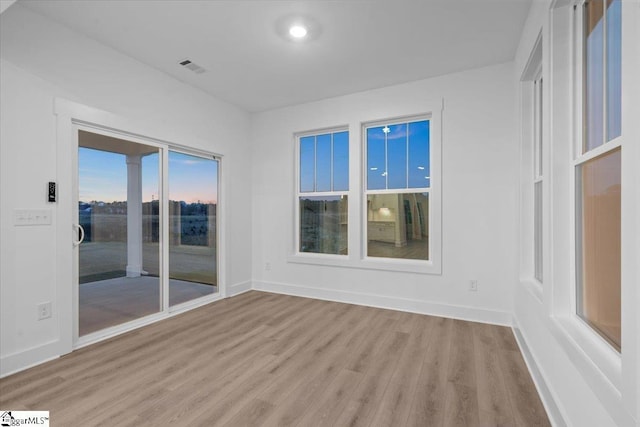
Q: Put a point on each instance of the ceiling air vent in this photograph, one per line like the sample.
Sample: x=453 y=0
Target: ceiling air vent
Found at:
x=192 y=66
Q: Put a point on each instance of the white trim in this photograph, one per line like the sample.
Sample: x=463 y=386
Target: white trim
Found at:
x=598 y=151
x=164 y=229
x=365 y=263
x=534 y=287
x=323 y=193
x=400 y=191
x=585 y=361
x=434 y=264
x=467 y=313
x=549 y=400
x=239 y=288
x=534 y=167
x=601 y=353
x=28 y=358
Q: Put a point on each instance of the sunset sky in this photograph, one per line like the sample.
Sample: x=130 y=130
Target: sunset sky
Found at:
x=103 y=177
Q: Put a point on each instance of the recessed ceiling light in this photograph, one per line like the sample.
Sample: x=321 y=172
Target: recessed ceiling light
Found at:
x=297 y=31
x=298 y=28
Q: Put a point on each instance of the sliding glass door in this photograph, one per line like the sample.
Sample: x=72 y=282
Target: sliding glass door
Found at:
x=193 y=248
x=147 y=237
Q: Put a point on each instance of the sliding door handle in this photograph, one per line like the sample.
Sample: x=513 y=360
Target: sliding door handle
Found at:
x=81 y=230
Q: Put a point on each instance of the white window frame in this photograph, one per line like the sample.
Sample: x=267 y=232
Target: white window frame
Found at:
x=357 y=181
x=366 y=192
x=298 y=193
x=534 y=165
x=580 y=158
x=592 y=353
x=538 y=177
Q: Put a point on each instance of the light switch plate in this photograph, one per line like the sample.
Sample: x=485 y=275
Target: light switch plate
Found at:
x=32 y=217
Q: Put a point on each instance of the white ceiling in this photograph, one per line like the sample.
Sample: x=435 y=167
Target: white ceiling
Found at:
x=358 y=45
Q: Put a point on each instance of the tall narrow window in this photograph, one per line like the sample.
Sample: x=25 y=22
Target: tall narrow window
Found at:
x=397 y=189
x=537 y=177
x=598 y=173
x=322 y=192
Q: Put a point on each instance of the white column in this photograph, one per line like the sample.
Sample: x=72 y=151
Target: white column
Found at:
x=134 y=215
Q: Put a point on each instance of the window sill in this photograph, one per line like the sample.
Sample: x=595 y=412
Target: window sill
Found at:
x=368 y=263
x=534 y=287
x=594 y=356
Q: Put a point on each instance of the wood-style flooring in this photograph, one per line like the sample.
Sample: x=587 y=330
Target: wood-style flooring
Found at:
x=275 y=360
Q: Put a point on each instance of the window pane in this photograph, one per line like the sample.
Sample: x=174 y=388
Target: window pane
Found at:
x=341 y=161
x=118 y=260
x=323 y=224
x=614 y=68
x=193 y=202
x=598 y=244
x=323 y=162
x=537 y=230
x=419 y=162
x=538 y=127
x=376 y=161
x=398 y=225
x=593 y=75
x=397 y=156
x=307 y=163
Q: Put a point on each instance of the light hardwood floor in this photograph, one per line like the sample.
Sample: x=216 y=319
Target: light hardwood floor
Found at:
x=275 y=360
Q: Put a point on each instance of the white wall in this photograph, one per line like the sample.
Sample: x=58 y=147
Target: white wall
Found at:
x=41 y=60
x=479 y=210
x=589 y=384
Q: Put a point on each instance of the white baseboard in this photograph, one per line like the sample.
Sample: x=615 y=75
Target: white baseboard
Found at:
x=16 y=362
x=553 y=411
x=239 y=288
x=393 y=303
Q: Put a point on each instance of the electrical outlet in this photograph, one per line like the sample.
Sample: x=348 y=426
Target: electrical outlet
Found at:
x=267 y=266
x=473 y=286
x=44 y=310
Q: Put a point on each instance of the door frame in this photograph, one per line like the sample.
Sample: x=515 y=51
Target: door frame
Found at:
x=71 y=117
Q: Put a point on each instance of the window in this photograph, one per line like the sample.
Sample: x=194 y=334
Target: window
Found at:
x=398 y=185
x=598 y=172
x=322 y=192
x=533 y=168
x=537 y=177
x=395 y=223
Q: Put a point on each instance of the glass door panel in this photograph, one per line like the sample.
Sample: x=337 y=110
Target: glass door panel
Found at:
x=193 y=248
x=118 y=210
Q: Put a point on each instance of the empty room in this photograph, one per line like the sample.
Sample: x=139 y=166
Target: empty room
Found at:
x=320 y=213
